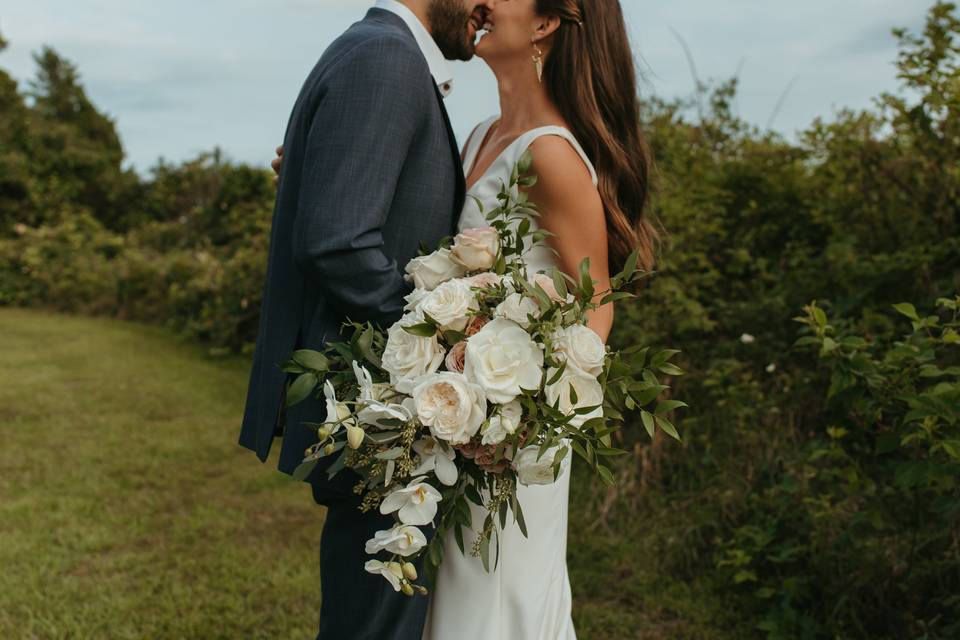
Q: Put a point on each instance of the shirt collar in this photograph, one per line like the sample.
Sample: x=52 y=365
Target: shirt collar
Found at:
x=439 y=67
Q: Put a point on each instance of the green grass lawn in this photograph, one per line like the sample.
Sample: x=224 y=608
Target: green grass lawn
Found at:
x=127 y=509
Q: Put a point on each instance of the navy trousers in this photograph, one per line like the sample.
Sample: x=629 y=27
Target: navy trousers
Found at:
x=357 y=605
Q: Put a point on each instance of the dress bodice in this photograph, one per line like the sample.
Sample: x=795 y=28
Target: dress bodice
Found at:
x=488 y=186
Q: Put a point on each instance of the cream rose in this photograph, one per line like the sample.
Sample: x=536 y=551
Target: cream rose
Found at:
x=430 y=271
x=519 y=308
x=589 y=394
x=406 y=357
x=504 y=360
x=476 y=249
x=581 y=347
x=530 y=470
x=450 y=304
x=451 y=406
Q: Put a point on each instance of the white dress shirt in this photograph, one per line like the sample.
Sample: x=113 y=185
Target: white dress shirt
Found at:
x=439 y=67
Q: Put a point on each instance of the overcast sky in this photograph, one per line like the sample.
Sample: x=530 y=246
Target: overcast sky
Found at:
x=182 y=76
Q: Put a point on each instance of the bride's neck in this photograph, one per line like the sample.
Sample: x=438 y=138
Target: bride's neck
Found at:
x=524 y=102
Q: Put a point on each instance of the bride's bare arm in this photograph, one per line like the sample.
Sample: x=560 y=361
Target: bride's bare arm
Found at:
x=571 y=209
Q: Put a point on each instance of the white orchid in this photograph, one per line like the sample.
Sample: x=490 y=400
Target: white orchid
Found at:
x=416 y=503
x=369 y=390
x=435 y=458
x=392 y=571
x=376 y=413
x=338 y=414
x=403 y=540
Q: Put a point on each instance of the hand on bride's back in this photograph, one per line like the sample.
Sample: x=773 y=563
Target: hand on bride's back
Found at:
x=276 y=163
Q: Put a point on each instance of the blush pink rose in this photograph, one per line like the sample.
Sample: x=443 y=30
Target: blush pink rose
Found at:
x=456 y=356
x=477 y=323
x=476 y=249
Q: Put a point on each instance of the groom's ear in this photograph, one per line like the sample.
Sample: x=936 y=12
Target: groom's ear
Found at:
x=544 y=26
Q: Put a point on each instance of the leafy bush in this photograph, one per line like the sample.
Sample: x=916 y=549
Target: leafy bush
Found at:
x=816 y=492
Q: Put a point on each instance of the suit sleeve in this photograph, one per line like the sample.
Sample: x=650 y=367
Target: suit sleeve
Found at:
x=357 y=143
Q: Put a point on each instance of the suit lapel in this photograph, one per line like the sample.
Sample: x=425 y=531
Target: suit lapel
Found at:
x=461 y=185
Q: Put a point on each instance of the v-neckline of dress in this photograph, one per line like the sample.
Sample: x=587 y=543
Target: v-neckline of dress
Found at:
x=476 y=155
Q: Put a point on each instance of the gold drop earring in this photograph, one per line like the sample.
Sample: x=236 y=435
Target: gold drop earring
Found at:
x=537 y=59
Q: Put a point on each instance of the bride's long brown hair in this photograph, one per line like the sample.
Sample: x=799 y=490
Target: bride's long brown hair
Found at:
x=589 y=73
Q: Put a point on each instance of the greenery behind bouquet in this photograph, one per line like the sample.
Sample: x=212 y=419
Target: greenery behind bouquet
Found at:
x=812 y=286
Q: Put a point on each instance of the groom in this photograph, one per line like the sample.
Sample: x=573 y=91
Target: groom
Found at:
x=371 y=170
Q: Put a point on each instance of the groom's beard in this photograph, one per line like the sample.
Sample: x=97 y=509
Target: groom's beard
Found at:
x=450 y=26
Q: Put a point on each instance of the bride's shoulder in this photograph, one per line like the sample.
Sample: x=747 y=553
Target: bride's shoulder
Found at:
x=561 y=166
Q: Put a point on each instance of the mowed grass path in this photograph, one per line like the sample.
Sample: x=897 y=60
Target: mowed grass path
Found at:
x=127 y=510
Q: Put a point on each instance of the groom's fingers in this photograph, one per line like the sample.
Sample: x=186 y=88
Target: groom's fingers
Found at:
x=276 y=163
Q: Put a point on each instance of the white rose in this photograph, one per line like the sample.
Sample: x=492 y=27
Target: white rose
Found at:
x=519 y=308
x=414 y=298
x=476 y=248
x=503 y=423
x=429 y=271
x=450 y=305
x=504 y=360
x=416 y=503
x=581 y=347
x=452 y=406
x=407 y=357
x=532 y=471
x=403 y=540
x=589 y=394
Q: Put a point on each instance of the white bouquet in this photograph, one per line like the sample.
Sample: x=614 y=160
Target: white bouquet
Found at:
x=491 y=378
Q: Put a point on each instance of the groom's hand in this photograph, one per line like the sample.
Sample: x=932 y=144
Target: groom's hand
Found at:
x=277 y=163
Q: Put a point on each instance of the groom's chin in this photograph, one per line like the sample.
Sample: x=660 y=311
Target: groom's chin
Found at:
x=463 y=54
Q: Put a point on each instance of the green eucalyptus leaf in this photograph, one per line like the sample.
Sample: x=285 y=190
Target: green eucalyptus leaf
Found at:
x=301 y=388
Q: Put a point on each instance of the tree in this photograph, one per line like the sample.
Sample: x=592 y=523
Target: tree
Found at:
x=14 y=168
x=75 y=149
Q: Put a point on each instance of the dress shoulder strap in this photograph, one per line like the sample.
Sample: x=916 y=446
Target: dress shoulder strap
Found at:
x=474 y=141
x=554 y=130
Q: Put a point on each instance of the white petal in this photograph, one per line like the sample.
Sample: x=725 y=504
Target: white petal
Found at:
x=418 y=514
x=394 y=501
x=446 y=469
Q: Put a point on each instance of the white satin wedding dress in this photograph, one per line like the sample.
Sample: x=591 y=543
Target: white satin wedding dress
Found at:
x=528 y=596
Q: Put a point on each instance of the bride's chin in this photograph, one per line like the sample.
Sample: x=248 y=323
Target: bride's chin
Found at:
x=483 y=48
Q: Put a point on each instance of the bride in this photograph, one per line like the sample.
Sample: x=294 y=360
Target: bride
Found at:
x=567 y=87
